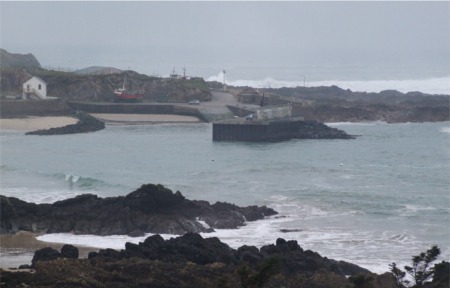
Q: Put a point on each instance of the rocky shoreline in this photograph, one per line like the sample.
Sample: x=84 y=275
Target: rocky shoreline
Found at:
x=185 y=261
x=193 y=261
x=149 y=209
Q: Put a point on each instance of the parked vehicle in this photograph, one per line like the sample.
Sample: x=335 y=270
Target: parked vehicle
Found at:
x=194 y=102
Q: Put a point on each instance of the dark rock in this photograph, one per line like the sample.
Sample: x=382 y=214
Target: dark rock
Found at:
x=317 y=130
x=92 y=255
x=149 y=209
x=154 y=241
x=189 y=247
x=290 y=230
x=249 y=254
x=193 y=248
x=192 y=261
x=69 y=251
x=280 y=241
x=86 y=123
x=45 y=254
x=441 y=277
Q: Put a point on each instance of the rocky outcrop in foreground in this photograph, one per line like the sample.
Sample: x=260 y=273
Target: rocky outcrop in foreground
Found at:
x=86 y=123
x=149 y=209
x=192 y=261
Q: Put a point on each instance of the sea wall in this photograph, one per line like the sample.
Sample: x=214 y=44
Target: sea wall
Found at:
x=136 y=108
x=22 y=108
x=274 y=131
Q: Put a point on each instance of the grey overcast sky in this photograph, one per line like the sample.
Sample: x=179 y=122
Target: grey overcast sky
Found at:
x=156 y=36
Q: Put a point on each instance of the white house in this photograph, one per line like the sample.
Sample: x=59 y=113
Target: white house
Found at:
x=34 y=88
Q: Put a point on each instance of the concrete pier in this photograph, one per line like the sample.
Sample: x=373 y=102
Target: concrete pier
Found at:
x=256 y=131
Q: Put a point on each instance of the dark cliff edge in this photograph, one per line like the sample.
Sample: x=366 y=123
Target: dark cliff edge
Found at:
x=86 y=123
x=149 y=209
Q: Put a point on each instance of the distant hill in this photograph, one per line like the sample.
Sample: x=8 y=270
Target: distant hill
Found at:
x=9 y=60
x=98 y=70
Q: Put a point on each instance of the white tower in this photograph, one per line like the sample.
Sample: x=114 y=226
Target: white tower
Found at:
x=223 y=83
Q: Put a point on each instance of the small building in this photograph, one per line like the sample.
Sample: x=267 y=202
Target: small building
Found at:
x=274 y=112
x=34 y=88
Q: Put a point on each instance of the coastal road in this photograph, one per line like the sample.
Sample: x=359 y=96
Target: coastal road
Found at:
x=217 y=109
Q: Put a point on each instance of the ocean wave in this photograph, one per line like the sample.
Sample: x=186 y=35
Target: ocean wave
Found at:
x=410 y=210
x=440 y=85
x=372 y=123
x=45 y=187
x=83 y=182
x=445 y=130
x=356 y=247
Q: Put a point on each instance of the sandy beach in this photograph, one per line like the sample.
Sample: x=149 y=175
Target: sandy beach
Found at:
x=47 y=122
x=36 y=123
x=19 y=248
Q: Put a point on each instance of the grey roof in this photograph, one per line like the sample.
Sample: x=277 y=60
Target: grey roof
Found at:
x=38 y=78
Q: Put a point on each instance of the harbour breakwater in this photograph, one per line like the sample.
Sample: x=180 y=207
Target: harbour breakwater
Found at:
x=86 y=123
x=274 y=131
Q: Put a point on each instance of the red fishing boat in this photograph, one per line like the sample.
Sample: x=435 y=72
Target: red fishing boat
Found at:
x=123 y=95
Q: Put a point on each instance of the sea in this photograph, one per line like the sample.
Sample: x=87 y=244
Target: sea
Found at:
x=380 y=198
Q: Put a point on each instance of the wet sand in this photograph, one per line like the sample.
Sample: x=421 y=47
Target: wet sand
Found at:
x=36 y=123
x=144 y=118
x=47 y=122
x=19 y=249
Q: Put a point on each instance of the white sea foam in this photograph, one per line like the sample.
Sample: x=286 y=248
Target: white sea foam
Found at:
x=372 y=123
x=331 y=243
x=102 y=242
x=439 y=85
x=413 y=210
x=445 y=130
x=40 y=195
